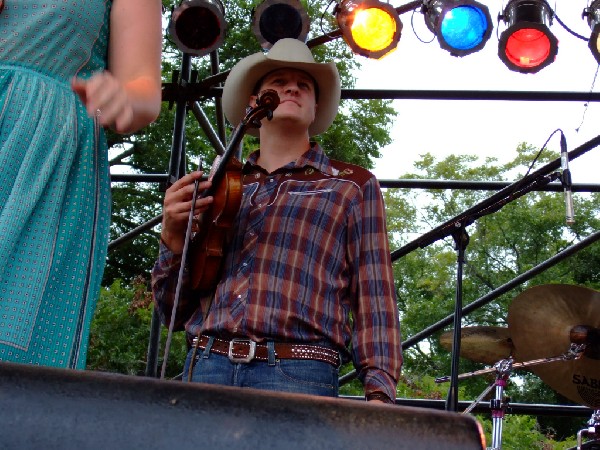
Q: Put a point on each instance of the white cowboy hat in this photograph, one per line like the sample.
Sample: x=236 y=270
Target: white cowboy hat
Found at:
x=285 y=53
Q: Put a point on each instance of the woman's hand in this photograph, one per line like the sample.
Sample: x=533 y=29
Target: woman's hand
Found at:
x=106 y=99
x=127 y=96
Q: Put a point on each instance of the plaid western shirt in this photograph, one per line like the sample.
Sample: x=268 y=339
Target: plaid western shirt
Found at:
x=309 y=262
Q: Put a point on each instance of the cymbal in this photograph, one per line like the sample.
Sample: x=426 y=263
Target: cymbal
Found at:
x=543 y=322
x=487 y=345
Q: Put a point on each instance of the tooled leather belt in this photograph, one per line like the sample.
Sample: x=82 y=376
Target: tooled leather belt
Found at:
x=246 y=350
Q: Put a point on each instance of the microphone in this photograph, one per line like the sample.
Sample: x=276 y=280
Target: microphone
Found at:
x=566 y=180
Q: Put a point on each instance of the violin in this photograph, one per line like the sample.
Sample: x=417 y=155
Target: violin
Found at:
x=207 y=247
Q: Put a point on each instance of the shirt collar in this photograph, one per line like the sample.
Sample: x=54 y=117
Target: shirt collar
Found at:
x=313 y=157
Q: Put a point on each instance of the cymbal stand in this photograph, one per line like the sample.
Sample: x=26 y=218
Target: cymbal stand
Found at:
x=498 y=405
x=592 y=430
x=503 y=368
x=574 y=352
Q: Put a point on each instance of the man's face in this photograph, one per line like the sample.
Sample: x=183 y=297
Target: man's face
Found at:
x=297 y=98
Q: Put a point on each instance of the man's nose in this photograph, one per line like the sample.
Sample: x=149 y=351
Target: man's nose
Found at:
x=291 y=87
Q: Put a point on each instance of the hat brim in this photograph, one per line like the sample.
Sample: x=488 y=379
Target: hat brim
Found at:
x=247 y=73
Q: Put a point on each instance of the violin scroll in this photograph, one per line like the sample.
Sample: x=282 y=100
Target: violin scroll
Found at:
x=266 y=102
x=268 y=98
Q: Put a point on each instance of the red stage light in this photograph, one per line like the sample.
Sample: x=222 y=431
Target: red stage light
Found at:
x=527 y=45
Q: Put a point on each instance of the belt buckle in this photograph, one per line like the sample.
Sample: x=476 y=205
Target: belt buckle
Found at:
x=243 y=359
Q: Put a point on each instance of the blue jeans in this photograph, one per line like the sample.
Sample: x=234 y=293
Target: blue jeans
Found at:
x=301 y=376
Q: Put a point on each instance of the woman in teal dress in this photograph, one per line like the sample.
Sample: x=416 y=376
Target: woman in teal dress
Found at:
x=68 y=68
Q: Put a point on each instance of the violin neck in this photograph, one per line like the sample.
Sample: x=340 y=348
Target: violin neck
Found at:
x=219 y=166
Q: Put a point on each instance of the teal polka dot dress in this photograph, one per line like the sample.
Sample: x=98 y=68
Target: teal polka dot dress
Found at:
x=54 y=180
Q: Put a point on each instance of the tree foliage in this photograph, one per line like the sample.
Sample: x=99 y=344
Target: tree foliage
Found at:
x=502 y=245
x=119 y=337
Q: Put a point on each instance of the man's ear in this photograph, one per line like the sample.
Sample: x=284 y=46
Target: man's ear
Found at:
x=252 y=101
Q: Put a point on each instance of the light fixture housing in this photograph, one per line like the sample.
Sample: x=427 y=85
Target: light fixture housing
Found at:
x=593 y=18
x=462 y=27
x=198 y=26
x=527 y=45
x=370 y=27
x=277 y=19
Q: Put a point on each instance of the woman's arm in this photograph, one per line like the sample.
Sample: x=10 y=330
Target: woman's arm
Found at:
x=127 y=96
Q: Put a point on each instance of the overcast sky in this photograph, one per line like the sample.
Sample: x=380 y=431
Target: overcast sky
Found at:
x=486 y=128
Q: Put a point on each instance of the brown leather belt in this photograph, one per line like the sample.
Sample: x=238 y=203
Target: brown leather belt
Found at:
x=245 y=350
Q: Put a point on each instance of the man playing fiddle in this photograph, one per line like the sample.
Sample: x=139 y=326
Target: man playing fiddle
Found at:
x=306 y=282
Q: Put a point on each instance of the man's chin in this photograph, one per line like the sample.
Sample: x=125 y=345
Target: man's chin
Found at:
x=289 y=118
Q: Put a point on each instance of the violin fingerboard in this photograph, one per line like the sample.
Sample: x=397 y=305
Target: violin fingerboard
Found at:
x=215 y=166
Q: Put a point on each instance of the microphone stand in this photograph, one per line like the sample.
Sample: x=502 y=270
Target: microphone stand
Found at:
x=494 y=203
x=461 y=240
x=448 y=227
x=456 y=227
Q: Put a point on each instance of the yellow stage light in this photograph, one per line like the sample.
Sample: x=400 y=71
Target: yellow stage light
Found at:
x=593 y=15
x=371 y=28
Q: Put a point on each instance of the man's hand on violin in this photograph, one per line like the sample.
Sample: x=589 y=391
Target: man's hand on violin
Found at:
x=177 y=206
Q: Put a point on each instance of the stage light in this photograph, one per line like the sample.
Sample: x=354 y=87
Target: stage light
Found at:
x=277 y=19
x=527 y=45
x=593 y=17
x=198 y=26
x=461 y=26
x=371 y=28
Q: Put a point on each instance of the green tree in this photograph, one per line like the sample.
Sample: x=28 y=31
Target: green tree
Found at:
x=502 y=245
x=120 y=331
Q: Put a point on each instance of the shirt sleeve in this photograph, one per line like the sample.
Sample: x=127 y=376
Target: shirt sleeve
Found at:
x=165 y=275
x=376 y=340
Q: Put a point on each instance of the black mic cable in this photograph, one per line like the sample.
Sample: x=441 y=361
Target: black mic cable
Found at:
x=566 y=179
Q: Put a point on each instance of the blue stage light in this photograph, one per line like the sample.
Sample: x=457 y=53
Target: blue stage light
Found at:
x=464 y=27
x=461 y=26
